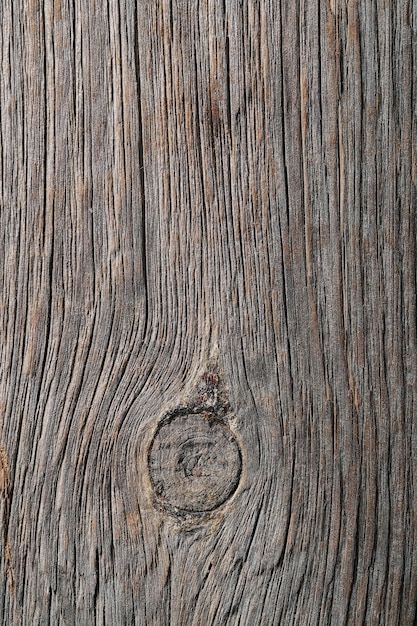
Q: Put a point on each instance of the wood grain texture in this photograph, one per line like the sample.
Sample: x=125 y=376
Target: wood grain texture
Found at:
x=194 y=185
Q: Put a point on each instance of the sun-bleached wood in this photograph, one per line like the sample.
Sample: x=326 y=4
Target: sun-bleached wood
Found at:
x=208 y=209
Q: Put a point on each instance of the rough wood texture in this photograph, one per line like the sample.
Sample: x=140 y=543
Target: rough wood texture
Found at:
x=189 y=187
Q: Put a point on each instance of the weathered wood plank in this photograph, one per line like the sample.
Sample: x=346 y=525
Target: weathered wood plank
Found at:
x=208 y=229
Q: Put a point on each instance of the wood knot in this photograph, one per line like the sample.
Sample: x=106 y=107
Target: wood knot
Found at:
x=194 y=462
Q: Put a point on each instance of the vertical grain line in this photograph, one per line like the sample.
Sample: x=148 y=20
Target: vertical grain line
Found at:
x=122 y=99
x=286 y=187
x=304 y=121
x=141 y=166
x=228 y=89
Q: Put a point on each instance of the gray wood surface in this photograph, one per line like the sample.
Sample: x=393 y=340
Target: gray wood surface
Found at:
x=208 y=312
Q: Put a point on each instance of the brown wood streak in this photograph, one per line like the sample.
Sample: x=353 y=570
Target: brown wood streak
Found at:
x=5 y=516
x=208 y=220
